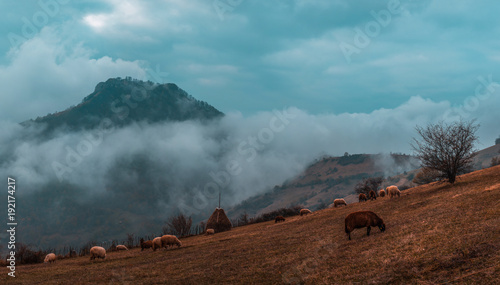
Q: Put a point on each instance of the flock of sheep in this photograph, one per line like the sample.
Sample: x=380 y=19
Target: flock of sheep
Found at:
x=360 y=219
x=165 y=241
x=355 y=220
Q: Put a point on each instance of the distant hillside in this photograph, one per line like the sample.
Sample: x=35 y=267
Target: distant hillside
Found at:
x=483 y=157
x=335 y=177
x=329 y=178
x=435 y=234
x=128 y=100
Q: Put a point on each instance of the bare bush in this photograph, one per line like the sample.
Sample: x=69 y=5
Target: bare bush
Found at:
x=426 y=175
x=179 y=225
x=368 y=184
x=130 y=240
x=495 y=161
x=243 y=219
x=447 y=148
x=26 y=255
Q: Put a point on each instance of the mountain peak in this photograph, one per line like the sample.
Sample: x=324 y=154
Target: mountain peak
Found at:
x=129 y=100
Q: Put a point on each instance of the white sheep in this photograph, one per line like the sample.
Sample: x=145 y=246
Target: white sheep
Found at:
x=210 y=232
x=393 y=191
x=339 y=202
x=170 y=240
x=51 y=257
x=97 y=252
x=305 y=212
x=121 y=247
x=156 y=243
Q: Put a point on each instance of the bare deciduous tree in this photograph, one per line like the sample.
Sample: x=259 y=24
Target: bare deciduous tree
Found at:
x=243 y=219
x=179 y=225
x=130 y=240
x=368 y=184
x=446 y=148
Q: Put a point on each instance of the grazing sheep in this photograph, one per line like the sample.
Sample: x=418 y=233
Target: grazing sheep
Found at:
x=305 y=212
x=210 y=232
x=51 y=257
x=363 y=219
x=372 y=195
x=381 y=193
x=170 y=240
x=146 y=244
x=97 y=252
x=279 y=219
x=339 y=202
x=393 y=191
x=362 y=197
x=156 y=243
x=121 y=247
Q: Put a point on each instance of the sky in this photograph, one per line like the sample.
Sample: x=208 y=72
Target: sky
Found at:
x=322 y=57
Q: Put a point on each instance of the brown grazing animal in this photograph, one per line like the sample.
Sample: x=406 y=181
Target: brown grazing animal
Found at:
x=372 y=195
x=121 y=247
x=51 y=257
x=381 y=193
x=157 y=243
x=305 y=212
x=339 y=202
x=279 y=219
x=97 y=252
x=393 y=191
x=146 y=244
x=363 y=219
x=169 y=241
x=362 y=197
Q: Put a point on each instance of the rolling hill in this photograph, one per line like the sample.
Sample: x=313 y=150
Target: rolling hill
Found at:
x=329 y=178
x=326 y=179
x=435 y=233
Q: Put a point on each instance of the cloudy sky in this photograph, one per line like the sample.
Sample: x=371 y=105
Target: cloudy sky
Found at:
x=329 y=59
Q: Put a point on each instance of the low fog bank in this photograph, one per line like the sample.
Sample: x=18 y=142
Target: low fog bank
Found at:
x=104 y=183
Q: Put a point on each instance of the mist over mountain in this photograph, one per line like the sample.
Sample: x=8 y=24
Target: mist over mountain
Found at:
x=134 y=153
x=124 y=101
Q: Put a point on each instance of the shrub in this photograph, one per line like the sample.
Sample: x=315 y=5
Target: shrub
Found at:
x=179 y=225
x=495 y=161
x=368 y=184
x=26 y=255
x=426 y=175
x=285 y=212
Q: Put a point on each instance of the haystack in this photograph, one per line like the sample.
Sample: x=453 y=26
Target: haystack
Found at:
x=219 y=221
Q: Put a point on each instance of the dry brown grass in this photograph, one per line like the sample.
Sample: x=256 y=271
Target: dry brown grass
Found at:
x=435 y=234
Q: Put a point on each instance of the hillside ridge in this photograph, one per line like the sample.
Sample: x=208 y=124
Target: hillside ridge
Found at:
x=123 y=101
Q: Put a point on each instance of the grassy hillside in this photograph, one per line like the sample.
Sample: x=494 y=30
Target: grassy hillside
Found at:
x=326 y=179
x=435 y=233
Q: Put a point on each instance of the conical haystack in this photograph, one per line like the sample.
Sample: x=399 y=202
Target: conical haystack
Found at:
x=219 y=221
